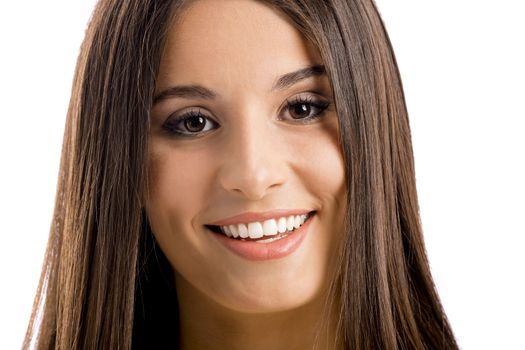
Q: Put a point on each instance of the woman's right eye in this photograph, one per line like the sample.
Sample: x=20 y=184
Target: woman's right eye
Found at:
x=190 y=124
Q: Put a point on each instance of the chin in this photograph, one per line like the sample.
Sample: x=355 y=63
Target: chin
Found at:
x=279 y=297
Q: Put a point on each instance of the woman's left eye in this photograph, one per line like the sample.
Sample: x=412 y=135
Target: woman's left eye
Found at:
x=305 y=109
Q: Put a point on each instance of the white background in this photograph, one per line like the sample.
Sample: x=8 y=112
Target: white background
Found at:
x=463 y=68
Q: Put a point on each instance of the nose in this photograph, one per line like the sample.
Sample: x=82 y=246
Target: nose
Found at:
x=252 y=162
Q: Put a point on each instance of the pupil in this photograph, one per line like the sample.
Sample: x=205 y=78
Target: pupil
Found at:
x=302 y=109
x=195 y=123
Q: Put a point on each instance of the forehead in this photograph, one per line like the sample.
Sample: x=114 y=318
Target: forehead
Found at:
x=241 y=42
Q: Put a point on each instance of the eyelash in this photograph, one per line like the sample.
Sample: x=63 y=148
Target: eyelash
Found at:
x=172 y=124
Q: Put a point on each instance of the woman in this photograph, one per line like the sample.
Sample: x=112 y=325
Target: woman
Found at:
x=237 y=175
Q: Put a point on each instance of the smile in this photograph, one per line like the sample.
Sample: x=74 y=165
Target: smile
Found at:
x=267 y=230
x=269 y=245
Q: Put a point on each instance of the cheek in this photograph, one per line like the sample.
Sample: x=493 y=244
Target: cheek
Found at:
x=177 y=187
x=321 y=166
x=321 y=172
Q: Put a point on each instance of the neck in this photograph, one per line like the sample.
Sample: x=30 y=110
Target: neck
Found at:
x=204 y=324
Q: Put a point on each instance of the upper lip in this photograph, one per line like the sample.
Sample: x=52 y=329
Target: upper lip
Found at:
x=258 y=216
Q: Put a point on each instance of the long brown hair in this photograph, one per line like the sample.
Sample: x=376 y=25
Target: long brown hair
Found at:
x=105 y=283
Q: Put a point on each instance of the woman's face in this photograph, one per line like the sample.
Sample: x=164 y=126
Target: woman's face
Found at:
x=253 y=143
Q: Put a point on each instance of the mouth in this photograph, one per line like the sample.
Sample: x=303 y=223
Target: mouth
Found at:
x=263 y=232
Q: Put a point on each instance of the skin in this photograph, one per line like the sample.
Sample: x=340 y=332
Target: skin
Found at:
x=255 y=158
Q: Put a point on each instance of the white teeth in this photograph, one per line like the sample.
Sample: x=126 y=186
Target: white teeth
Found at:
x=282 y=225
x=255 y=230
x=297 y=221
x=234 y=230
x=290 y=223
x=243 y=230
x=270 y=227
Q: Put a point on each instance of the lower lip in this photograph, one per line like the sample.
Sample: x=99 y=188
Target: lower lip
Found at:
x=266 y=251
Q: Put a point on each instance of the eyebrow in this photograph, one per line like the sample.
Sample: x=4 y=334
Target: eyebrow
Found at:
x=200 y=92
x=290 y=79
x=185 y=91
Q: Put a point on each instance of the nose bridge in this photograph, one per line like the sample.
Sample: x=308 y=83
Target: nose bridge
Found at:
x=252 y=162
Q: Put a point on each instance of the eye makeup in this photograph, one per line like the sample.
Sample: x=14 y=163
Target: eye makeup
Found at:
x=314 y=108
x=193 y=123
x=302 y=109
